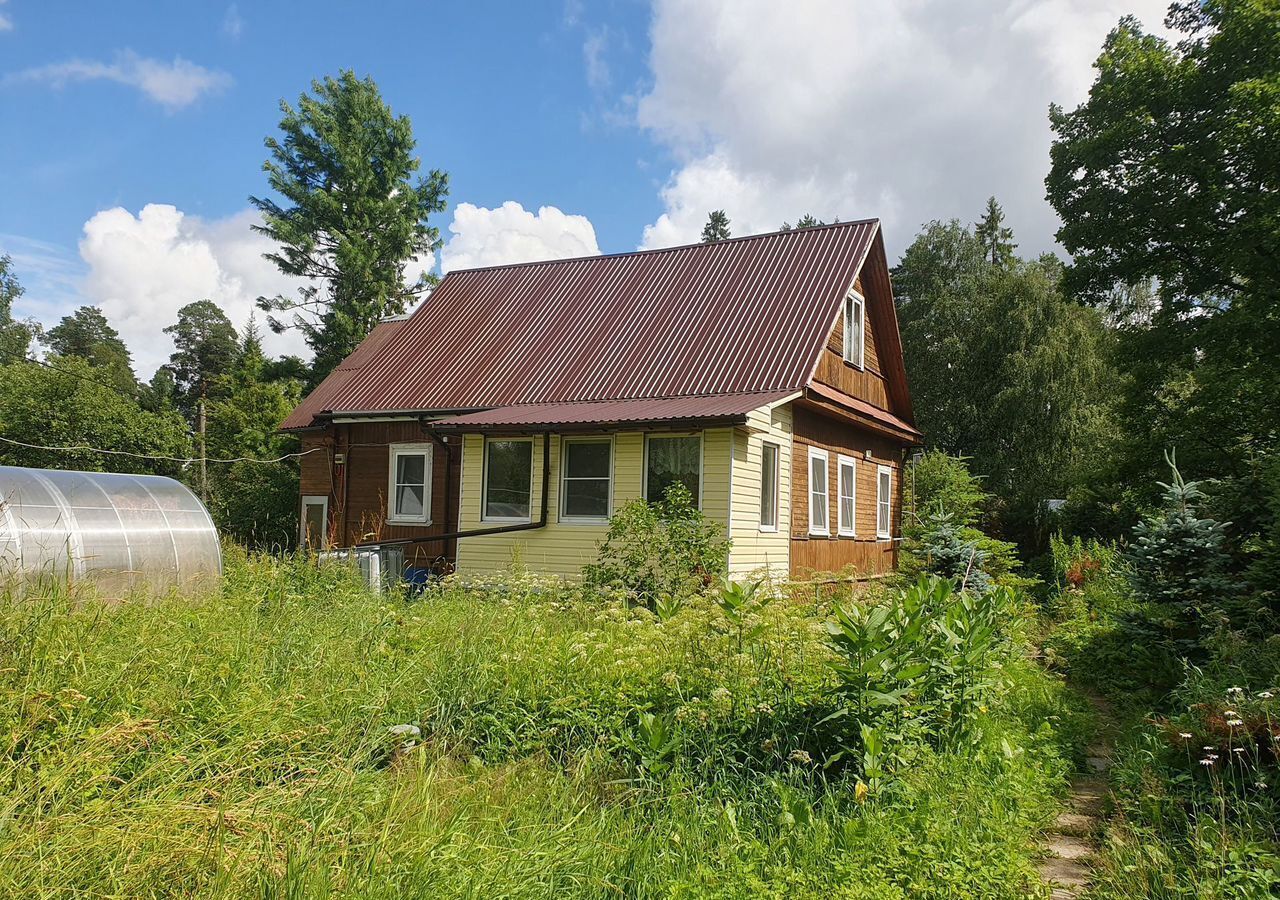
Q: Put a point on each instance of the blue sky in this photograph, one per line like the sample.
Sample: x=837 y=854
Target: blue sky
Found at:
x=133 y=130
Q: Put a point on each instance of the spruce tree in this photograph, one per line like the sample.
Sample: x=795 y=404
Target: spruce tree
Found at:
x=995 y=237
x=717 y=227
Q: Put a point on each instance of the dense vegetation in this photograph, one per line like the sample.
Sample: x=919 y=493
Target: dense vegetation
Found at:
x=299 y=736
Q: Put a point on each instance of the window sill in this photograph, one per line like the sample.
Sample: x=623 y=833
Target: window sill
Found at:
x=768 y=529
x=861 y=367
x=820 y=534
x=421 y=522
x=847 y=535
x=500 y=521
x=581 y=520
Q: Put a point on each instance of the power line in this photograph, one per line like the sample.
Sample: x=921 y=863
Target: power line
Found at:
x=178 y=459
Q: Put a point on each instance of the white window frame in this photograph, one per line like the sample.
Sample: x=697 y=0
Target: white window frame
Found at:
x=884 y=502
x=484 y=480
x=321 y=500
x=843 y=528
x=825 y=529
x=852 y=301
x=395 y=451
x=701 y=459
x=564 y=477
x=765 y=446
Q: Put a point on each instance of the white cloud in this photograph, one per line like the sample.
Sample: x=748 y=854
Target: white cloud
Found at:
x=142 y=269
x=6 y=24
x=232 y=22
x=594 y=49
x=171 y=84
x=908 y=110
x=510 y=233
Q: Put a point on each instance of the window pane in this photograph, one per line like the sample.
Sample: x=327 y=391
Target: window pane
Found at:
x=585 y=459
x=587 y=497
x=314 y=533
x=769 y=486
x=411 y=468
x=673 y=459
x=508 y=479
x=817 y=493
x=409 y=500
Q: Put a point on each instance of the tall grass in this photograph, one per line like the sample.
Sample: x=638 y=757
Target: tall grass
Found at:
x=239 y=746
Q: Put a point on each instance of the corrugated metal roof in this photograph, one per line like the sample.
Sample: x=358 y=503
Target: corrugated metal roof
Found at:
x=747 y=315
x=322 y=397
x=602 y=412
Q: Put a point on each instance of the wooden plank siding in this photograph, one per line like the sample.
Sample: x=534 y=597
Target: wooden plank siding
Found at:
x=357 y=491
x=867 y=554
x=866 y=383
x=756 y=551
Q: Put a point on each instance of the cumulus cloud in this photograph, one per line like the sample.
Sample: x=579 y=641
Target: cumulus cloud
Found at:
x=908 y=110
x=173 y=85
x=141 y=269
x=510 y=233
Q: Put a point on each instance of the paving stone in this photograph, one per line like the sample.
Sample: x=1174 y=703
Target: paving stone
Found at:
x=1076 y=823
x=1066 y=846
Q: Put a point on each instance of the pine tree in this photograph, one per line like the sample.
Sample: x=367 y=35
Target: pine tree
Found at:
x=995 y=237
x=205 y=350
x=353 y=216
x=717 y=227
x=87 y=334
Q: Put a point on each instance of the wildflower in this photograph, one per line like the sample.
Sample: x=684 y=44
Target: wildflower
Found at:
x=1185 y=735
x=860 y=791
x=1266 y=695
x=1235 y=690
x=720 y=695
x=1206 y=748
x=800 y=756
x=1237 y=750
x=670 y=679
x=1235 y=722
x=1206 y=762
x=1230 y=712
x=1261 y=785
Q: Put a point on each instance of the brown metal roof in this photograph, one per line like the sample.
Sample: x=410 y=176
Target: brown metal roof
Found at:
x=609 y=412
x=742 y=316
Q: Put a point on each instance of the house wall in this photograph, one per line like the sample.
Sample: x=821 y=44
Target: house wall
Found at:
x=357 y=491
x=562 y=548
x=867 y=383
x=865 y=553
x=755 y=551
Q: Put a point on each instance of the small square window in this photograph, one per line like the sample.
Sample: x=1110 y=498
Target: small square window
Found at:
x=671 y=459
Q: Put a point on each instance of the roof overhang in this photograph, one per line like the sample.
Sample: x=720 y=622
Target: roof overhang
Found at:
x=839 y=405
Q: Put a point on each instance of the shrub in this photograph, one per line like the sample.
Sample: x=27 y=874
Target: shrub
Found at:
x=660 y=550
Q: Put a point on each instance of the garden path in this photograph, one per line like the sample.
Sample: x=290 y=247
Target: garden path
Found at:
x=1068 y=866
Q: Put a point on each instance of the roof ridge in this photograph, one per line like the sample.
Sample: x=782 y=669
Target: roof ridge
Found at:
x=655 y=250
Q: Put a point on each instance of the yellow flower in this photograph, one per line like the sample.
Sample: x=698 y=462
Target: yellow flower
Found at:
x=860 y=791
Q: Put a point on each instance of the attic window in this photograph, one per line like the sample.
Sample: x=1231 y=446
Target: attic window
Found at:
x=854 y=312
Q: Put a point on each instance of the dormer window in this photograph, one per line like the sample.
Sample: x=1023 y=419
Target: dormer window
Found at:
x=854 y=313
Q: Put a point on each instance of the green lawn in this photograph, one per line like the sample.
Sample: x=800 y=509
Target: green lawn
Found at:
x=240 y=746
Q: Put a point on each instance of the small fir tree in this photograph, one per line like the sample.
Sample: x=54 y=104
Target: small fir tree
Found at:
x=717 y=227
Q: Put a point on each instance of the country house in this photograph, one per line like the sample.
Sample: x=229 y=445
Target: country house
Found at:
x=519 y=406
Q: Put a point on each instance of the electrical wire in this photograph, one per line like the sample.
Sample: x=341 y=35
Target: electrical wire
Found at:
x=178 y=459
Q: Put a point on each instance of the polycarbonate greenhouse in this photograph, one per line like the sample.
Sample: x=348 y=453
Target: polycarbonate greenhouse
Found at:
x=121 y=533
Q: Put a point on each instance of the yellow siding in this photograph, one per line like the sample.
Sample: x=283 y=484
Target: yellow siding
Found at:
x=562 y=548
x=755 y=551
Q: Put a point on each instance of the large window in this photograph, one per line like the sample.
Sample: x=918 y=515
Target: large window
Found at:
x=409 y=490
x=818 y=492
x=670 y=459
x=584 y=485
x=769 y=487
x=846 y=510
x=854 y=314
x=884 y=509
x=508 y=479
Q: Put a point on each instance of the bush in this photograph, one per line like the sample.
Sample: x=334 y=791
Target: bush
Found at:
x=945 y=503
x=660 y=550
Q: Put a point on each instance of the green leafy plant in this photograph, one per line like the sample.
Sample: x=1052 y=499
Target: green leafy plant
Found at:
x=665 y=549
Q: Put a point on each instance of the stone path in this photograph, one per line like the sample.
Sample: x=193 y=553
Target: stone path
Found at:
x=1068 y=866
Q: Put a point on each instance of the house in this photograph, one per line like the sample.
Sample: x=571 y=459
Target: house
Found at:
x=519 y=406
